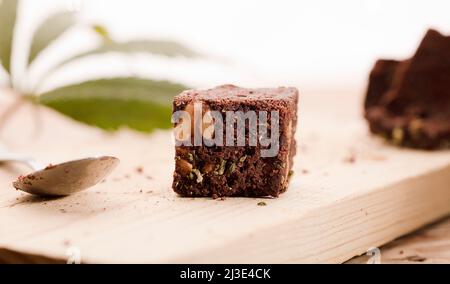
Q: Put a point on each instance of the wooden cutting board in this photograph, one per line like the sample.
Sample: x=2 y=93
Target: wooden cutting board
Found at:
x=350 y=192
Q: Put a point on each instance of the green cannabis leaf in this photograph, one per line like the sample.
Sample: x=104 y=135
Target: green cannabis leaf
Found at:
x=8 y=11
x=141 y=104
x=166 y=48
x=53 y=27
x=159 y=47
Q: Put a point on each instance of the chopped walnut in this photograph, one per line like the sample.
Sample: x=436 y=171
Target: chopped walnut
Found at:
x=183 y=167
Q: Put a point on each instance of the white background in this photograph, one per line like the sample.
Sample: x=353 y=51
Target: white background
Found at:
x=310 y=44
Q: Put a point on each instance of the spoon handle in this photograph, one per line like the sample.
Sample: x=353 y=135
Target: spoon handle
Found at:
x=8 y=156
x=33 y=164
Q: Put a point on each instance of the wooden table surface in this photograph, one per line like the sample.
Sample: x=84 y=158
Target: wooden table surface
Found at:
x=350 y=192
x=427 y=245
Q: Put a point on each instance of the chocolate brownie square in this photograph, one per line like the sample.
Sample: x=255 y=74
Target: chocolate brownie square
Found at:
x=232 y=141
x=408 y=102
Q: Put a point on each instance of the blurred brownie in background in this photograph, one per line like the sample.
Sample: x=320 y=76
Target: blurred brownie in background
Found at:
x=408 y=101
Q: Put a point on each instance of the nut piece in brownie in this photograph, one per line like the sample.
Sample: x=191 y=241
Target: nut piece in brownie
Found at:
x=408 y=101
x=232 y=141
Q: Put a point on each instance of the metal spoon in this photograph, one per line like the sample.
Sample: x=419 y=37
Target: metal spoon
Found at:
x=61 y=179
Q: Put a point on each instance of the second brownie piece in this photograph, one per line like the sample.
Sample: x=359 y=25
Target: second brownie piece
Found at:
x=237 y=166
x=408 y=102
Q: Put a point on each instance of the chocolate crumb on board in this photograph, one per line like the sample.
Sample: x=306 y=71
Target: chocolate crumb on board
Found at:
x=219 y=171
x=290 y=173
x=139 y=170
x=261 y=203
x=408 y=102
x=50 y=166
x=416 y=258
x=350 y=159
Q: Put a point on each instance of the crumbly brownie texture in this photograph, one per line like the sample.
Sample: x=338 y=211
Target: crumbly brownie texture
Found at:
x=408 y=102
x=220 y=171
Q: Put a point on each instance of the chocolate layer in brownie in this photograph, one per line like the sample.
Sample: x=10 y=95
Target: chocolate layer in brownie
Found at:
x=235 y=169
x=408 y=101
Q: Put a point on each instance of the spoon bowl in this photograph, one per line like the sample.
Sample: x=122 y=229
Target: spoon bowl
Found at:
x=67 y=178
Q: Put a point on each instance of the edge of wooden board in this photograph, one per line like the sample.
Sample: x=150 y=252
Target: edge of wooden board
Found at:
x=300 y=241
x=332 y=222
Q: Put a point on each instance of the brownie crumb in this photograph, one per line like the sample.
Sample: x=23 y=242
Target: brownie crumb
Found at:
x=351 y=159
x=50 y=166
x=416 y=258
x=261 y=203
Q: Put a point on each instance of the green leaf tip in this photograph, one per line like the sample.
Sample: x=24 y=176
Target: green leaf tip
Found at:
x=102 y=31
x=50 y=30
x=8 y=14
x=137 y=103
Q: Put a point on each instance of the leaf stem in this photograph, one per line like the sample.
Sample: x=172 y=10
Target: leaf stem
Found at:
x=11 y=110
